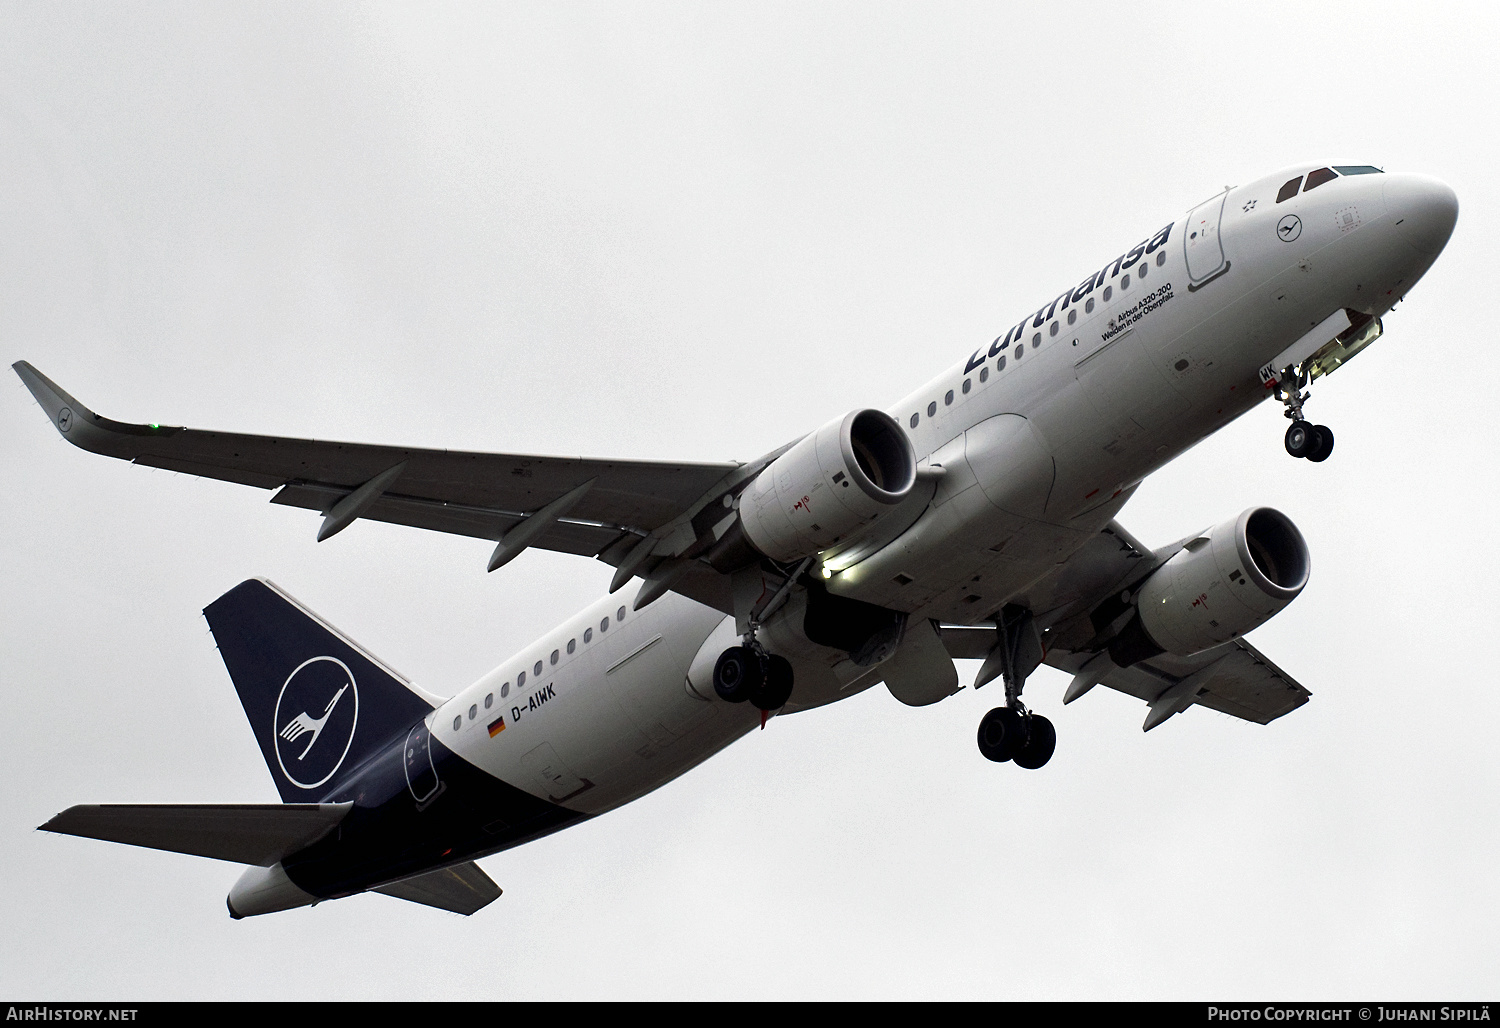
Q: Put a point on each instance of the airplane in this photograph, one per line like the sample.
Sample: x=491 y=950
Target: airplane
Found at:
x=975 y=518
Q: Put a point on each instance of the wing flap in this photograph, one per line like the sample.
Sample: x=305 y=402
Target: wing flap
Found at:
x=462 y=888
x=569 y=535
x=245 y=833
x=239 y=476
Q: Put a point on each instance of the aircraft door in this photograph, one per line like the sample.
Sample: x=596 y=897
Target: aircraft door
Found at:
x=1201 y=244
x=421 y=775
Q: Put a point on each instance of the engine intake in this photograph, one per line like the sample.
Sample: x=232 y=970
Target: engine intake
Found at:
x=1226 y=582
x=830 y=484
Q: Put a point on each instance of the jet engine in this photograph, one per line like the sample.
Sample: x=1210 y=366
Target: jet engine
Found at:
x=1223 y=583
x=831 y=483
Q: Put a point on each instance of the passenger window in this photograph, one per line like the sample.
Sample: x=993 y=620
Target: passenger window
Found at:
x=966 y=386
x=1289 y=190
x=1072 y=316
x=458 y=722
x=1124 y=283
x=572 y=645
x=620 y=614
x=984 y=373
x=932 y=408
x=1036 y=340
x=1021 y=349
x=1140 y=270
x=1161 y=258
x=505 y=690
x=473 y=711
x=948 y=398
x=1051 y=332
x=914 y=419
x=536 y=672
x=489 y=700
x=520 y=679
x=588 y=636
x=1000 y=364
x=604 y=625
x=553 y=659
x=1088 y=308
x=1108 y=292
x=1317 y=178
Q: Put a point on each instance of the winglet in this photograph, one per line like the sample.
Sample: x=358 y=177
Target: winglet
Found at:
x=81 y=426
x=60 y=407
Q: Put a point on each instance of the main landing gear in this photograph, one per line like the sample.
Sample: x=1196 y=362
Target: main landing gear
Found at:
x=1314 y=442
x=1015 y=733
x=750 y=673
x=1012 y=732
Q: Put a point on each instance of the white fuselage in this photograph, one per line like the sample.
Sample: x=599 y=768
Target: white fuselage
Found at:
x=1041 y=441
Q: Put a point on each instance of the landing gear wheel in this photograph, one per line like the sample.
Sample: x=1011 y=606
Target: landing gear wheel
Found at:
x=1001 y=734
x=738 y=674
x=775 y=687
x=1300 y=438
x=1041 y=740
x=1322 y=444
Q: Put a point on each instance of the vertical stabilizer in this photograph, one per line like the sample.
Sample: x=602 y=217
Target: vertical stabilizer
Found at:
x=317 y=701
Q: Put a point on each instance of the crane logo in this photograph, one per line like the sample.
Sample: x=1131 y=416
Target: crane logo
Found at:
x=313 y=723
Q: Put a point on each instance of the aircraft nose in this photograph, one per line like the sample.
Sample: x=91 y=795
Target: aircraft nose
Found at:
x=1424 y=210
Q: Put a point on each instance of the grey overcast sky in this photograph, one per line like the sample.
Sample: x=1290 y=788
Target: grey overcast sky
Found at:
x=696 y=231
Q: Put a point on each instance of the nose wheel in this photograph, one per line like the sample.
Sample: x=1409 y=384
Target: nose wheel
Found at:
x=1309 y=441
x=1313 y=442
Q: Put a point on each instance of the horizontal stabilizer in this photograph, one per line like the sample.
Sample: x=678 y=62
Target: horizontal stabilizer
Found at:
x=246 y=833
x=463 y=889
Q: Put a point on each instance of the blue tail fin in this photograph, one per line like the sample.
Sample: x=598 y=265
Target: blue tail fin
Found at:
x=317 y=702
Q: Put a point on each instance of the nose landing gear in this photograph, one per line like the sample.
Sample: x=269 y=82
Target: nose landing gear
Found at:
x=1314 y=442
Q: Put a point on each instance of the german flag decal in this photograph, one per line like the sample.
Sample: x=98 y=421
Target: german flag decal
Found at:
x=497 y=726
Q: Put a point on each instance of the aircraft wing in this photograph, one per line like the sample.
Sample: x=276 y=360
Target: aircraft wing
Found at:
x=578 y=505
x=1234 y=678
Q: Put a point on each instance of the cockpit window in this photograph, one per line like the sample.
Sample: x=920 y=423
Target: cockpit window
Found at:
x=1289 y=190
x=1317 y=178
x=1363 y=169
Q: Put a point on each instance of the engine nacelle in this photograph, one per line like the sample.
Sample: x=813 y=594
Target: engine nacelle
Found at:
x=1226 y=582
x=830 y=484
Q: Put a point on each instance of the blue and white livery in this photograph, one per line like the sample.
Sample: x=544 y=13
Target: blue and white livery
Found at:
x=974 y=518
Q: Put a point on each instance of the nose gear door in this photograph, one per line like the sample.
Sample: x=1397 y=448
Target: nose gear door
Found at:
x=1200 y=242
